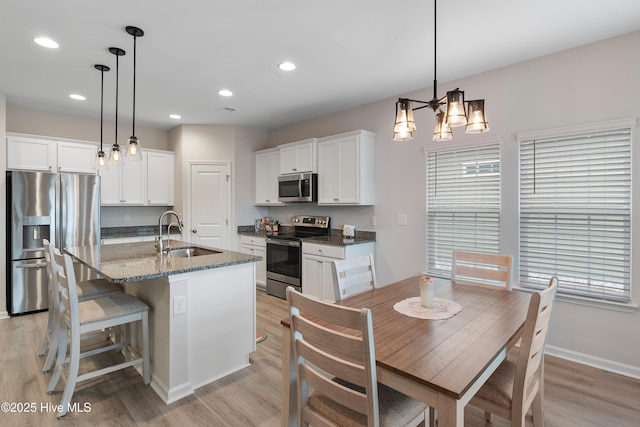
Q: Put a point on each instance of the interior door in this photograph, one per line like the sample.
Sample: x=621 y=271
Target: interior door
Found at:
x=210 y=204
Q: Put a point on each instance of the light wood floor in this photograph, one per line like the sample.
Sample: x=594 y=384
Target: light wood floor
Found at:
x=575 y=395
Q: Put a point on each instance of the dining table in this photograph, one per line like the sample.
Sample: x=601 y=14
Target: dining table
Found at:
x=442 y=362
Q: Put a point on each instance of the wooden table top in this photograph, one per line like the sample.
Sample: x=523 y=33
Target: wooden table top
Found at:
x=444 y=355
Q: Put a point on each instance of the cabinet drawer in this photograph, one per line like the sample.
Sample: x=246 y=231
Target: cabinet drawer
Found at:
x=323 y=250
x=255 y=241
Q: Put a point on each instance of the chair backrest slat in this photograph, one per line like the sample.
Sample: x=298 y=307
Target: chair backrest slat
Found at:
x=481 y=269
x=353 y=276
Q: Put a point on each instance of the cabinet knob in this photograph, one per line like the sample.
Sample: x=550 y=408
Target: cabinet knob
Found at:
x=194 y=231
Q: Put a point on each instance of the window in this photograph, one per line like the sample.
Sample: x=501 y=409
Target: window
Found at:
x=575 y=215
x=463 y=203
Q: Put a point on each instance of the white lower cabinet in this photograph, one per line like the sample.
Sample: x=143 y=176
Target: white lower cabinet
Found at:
x=256 y=246
x=317 y=269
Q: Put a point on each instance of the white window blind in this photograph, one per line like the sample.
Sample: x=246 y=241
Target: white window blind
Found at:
x=575 y=215
x=463 y=203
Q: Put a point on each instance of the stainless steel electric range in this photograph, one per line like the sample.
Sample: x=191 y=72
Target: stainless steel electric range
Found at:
x=284 y=253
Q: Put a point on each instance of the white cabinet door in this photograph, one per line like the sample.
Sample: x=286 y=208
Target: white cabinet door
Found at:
x=77 y=157
x=159 y=177
x=312 y=268
x=31 y=154
x=267 y=170
x=327 y=172
x=346 y=169
x=298 y=157
x=133 y=183
x=261 y=266
x=288 y=160
x=111 y=187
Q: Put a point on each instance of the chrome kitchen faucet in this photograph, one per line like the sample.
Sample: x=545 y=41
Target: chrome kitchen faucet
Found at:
x=160 y=246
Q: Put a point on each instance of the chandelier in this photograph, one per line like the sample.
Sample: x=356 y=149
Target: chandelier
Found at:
x=459 y=112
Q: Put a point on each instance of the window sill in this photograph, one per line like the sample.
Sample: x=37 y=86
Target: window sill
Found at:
x=590 y=302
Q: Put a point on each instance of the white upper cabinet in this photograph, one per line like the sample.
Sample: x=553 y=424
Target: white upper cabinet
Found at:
x=123 y=184
x=77 y=157
x=140 y=183
x=50 y=155
x=298 y=157
x=159 y=177
x=267 y=170
x=346 y=169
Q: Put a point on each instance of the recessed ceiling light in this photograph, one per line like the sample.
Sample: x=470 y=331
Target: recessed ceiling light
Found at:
x=46 y=42
x=77 y=97
x=175 y=116
x=287 y=66
x=225 y=92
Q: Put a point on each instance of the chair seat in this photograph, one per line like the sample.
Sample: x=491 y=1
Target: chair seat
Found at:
x=109 y=307
x=499 y=386
x=96 y=287
x=396 y=409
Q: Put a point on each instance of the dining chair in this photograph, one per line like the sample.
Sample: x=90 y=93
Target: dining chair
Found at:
x=87 y=289
x=481 y=269
x=94 y=315
x=517 y=386
x=353 y=276
x=336 y=368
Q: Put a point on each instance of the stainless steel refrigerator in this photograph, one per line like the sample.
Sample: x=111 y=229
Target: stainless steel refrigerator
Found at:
x=62 y=208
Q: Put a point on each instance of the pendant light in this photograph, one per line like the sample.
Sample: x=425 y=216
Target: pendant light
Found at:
x=133 y=150
x=116 y=154
x=456 y=114
x=101 y=160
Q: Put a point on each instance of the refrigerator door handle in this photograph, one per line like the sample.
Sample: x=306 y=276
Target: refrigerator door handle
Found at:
x=33 y=265
x=60 y=212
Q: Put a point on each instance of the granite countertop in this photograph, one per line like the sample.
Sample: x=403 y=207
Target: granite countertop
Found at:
x=133 y=262
x=335 y=239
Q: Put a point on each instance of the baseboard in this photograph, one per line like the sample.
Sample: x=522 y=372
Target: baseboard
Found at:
x=4 y=315
x=595 y=362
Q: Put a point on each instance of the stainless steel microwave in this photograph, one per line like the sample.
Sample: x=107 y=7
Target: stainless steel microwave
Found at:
x=299 y=187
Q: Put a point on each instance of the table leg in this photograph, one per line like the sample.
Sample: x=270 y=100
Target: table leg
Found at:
x=289 y=399
x=450 y=412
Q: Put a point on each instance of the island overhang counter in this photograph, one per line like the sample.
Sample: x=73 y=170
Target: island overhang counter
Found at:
x=203 y=309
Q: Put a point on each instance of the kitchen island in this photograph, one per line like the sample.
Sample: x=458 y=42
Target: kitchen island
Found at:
x=203 y=309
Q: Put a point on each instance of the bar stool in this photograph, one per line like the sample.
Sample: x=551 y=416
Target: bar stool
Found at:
x=87 y=289
x=89 y=316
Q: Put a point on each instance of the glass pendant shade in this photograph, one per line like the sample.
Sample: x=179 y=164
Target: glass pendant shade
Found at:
x=116 y=156
x=442 y=131
x=101 y=161
x=476 y=121
x=405 y=124
x=133 y=150
x=456 y=114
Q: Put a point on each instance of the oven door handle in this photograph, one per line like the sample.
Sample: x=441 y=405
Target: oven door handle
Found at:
x=283 y=242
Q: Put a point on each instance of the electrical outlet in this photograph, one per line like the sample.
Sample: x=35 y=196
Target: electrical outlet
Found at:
x=179 y=305
x=127 y=218
x=401 y=219
x=372 y=221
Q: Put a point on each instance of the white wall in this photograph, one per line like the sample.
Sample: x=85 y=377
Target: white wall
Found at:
x=219 y=143
x=46 y=123
x=588 y=84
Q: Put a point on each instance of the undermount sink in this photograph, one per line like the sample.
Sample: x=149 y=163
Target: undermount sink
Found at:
x=191 y=251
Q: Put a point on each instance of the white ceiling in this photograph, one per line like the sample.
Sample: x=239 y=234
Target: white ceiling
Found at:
x=348 y=52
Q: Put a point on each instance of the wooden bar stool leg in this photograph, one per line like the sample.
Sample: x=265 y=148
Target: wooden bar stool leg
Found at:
x=74 y=365
x=146 y=371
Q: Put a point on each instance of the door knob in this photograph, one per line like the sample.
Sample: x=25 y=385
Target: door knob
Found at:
x=194 y=231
